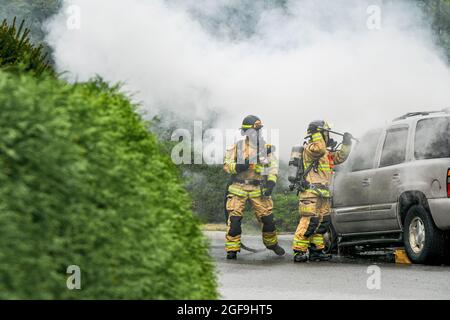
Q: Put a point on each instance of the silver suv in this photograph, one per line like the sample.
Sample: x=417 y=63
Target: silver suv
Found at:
x=395 y=188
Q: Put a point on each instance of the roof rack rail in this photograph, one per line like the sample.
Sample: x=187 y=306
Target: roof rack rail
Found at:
x=419 y=113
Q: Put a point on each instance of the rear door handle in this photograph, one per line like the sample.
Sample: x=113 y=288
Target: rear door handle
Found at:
x=396 y=177
x=365 y=182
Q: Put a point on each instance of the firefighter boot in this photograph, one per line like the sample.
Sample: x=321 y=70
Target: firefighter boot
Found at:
x=279 y=251
x=300 y=256
x=318 y=255
x=231 y=255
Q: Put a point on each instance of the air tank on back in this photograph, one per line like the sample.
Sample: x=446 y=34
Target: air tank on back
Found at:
x=295 y=168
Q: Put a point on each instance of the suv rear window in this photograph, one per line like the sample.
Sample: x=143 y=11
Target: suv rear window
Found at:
x=394 y=148
x=432 y=139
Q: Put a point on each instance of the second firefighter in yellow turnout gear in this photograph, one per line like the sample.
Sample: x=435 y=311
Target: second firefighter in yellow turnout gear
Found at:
x=314 y=199
x=254 y=169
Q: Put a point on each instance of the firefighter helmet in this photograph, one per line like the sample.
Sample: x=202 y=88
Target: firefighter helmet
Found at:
x=320 y=124
x=251 y=122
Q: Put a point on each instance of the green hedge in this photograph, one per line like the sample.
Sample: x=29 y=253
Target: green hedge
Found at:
x=82 y=182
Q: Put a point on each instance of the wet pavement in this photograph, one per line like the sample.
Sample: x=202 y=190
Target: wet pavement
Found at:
x=263 y=275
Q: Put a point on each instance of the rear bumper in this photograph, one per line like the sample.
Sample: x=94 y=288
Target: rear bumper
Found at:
x=440 y=211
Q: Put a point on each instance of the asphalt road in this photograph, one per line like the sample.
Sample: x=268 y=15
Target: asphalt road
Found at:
x=263 y=275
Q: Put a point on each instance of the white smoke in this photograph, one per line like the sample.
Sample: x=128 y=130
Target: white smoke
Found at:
x=300 y=62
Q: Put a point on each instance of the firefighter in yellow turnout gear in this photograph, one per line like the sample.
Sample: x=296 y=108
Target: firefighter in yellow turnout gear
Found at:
x=315 y=197
x=254 y=169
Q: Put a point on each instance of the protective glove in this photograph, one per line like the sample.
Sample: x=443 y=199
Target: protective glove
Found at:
x=347 y=140
x=331 y=144
x=270 y=185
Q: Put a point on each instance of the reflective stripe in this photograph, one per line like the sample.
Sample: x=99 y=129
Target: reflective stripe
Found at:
x=271 y=168
x=306 y=241
x=304 y=208
x=272 y=177
x=232 y=244
x=255 y=194
x=320 y=192
x=317 y=240
x=241 y=193
x=270 y=239
x=247 y=126
x=259 y=168
x=237 y=191
x=324 y=167
x=308 y=163
x=300 y=244
x=233 y=168
x=316 y=136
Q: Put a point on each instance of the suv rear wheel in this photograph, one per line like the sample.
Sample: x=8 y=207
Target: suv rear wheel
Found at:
x=330 y=239
x=424 y=242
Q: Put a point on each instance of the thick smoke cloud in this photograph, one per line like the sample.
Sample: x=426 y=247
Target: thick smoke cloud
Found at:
x=289 y=63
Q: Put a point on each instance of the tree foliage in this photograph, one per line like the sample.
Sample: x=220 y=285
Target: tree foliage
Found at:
x=35 y=12
x=207 y=186
x=16 y=49
x=439 y=13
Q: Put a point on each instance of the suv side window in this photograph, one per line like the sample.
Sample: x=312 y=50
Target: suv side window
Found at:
x=364 y=153
x=432 y=139
x=394 y=148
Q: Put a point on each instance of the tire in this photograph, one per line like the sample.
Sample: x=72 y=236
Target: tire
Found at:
x=330 y=238
x=447 y=248
x=424 y=242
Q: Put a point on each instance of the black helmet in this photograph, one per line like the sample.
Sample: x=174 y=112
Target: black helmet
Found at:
x=251 y=122
x=319 y=124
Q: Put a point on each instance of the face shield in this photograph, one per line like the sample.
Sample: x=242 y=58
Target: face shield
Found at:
x=253 y=133
x=325 y=133
x=326 y=136
x=255 y=140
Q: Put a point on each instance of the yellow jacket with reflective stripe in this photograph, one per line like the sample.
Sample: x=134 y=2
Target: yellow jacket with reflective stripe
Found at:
x=255 y=172
x=316 y=149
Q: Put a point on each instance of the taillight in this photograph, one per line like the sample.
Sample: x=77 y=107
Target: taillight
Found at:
x=448 y=183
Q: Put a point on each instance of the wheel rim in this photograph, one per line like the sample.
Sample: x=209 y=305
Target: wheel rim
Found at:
x=417 y=235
